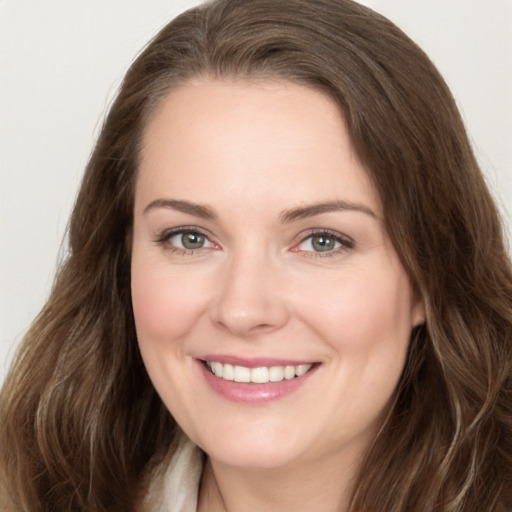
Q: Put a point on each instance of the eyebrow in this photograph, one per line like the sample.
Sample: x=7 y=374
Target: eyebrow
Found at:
x=286 y=216
x=303 y=212
x=204 y=212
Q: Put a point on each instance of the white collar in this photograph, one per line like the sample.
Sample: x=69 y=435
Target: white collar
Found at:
x=176 y=485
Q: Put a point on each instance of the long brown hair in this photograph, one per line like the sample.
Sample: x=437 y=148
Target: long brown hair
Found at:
x=80 y=423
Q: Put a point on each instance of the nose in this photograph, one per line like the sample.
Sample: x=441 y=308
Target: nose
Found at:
x=251 y=297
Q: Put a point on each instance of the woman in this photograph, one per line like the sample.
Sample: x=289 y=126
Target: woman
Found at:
x=287 y=286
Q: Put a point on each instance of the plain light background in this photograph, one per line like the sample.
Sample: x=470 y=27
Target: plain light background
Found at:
x=61 y=63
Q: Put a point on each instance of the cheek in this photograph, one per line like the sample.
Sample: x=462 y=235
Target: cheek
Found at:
x=366 y=321
x=165 y=305
x=166 y=308
x=362 y=310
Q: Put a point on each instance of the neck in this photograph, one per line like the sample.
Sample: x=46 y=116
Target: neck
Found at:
x=324 y=486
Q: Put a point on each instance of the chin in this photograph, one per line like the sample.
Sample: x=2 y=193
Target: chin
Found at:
x=263 y=447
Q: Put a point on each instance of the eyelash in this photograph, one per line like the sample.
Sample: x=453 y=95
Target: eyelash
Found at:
x=165 y=236
x=345 y=242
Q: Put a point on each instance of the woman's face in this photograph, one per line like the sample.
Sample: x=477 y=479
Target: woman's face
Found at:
x=259 y=251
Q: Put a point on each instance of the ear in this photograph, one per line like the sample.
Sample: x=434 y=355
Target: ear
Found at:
x=418 y=315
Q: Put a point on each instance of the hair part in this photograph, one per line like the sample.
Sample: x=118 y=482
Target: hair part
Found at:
x=80 y=422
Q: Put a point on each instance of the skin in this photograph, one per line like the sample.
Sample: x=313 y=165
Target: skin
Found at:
x=258 y=287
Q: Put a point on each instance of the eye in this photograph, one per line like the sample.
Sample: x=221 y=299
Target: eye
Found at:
x=188 y=240
x=324 y=242
x=185 y=240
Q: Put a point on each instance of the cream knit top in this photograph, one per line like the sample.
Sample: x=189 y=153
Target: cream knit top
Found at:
x=176 y=485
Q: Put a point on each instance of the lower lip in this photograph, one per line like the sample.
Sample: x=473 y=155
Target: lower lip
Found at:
x=250 y=393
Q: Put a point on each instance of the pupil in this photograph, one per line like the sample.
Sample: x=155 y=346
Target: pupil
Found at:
x=192 y=240
x=323 y=243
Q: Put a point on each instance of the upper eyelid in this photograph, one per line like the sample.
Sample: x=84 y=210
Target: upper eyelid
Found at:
x=320 y=231
x=168 y=233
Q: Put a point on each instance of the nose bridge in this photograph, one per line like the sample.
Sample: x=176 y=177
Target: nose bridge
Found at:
x=250 y=297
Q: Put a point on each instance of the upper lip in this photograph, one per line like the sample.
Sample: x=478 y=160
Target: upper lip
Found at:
x=253 y=362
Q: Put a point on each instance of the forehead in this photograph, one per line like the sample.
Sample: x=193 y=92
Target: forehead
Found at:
x=255 y=137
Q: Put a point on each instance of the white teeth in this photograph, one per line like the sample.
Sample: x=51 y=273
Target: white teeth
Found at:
x=289 y=372
x=301 y=369
x=276 y=373
x=228 y=372
x=242 y=374
x=260 y=375
x=217 y=369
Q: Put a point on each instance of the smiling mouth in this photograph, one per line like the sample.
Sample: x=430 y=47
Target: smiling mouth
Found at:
x=260 y=375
